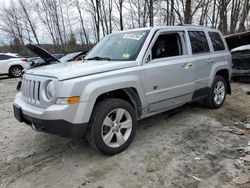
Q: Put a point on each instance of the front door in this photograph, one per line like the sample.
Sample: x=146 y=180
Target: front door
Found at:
x=170 y=74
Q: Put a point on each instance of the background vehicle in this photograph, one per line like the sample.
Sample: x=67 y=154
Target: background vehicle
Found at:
x=45 y=58
x=75 y=56
x=127 y=76
x=241 y=63
x=12 y=64
x=58 y=56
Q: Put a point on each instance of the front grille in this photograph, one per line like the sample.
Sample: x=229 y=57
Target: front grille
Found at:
x=31 y=90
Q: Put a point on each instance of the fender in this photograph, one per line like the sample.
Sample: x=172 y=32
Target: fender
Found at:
x=217 y=67
x=94 y=89
x=15 y=64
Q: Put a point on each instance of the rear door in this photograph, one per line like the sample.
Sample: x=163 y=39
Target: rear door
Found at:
x=169 y=73
x=219 y=52
x=202 y=59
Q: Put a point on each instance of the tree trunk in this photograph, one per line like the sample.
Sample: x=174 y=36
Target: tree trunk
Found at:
x=188 y=12
x=151 y=13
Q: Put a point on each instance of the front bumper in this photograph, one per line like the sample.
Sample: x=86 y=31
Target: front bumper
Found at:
x=64 y=120
x=58 y=127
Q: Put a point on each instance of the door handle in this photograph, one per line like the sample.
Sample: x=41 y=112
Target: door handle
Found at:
x=188 y=65
x=210 y=61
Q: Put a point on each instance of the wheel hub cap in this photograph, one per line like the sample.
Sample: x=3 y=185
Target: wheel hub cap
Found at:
x=116 y=127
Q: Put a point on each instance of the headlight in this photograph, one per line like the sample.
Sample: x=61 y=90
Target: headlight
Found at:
x=50 y=90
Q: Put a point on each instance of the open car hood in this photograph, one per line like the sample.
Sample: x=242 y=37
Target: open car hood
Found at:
x=238 y=39
x=46 y=56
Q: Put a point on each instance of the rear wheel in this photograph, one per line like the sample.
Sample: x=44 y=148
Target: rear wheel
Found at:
x=15 y=71
x=112 y=126
x=217 y=93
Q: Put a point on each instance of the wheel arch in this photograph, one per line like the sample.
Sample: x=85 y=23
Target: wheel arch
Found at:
x=128 y=94
x=14 y=65
x=225 y=74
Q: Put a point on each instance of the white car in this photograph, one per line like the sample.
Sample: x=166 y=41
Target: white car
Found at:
x=12 y=65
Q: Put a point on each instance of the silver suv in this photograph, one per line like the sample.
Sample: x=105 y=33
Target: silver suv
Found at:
x=126 y=77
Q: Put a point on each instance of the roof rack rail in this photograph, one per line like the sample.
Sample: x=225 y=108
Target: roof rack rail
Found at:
x=180 y=24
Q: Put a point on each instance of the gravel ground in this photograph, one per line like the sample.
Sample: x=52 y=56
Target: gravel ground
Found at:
x=182 y=148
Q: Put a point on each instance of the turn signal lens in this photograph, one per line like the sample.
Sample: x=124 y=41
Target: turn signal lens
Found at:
x=73 y=100
x=70 y=100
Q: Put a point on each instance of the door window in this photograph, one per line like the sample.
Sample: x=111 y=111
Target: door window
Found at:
x=198 y=41
x=4 y=57
x=216 y=41
x=167 y=45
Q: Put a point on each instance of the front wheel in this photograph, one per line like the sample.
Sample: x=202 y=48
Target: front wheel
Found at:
x=112 y=126
x=217 y=93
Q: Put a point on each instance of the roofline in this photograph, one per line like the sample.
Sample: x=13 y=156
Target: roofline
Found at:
x=186 y=26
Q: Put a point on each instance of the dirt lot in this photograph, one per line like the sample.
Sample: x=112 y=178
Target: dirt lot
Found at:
x=185 y=148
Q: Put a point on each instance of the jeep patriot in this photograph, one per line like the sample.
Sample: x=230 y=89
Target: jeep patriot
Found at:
x=126 y=77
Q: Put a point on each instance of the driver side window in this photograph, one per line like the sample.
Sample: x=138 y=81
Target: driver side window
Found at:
x=167 y=45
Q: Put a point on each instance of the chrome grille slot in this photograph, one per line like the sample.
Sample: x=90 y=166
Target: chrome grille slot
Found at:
x=31 y=90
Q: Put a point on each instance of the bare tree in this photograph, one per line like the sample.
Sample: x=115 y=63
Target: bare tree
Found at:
x=74 y=22
x=223 y=13
x=119 y=5
x=244 y=15
x=93 y=9
x=151 y=12
x=83 y=30
x=27 y=15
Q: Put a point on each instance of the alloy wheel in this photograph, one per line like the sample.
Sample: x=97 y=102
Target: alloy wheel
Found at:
x=219 y=92
x=116 y=127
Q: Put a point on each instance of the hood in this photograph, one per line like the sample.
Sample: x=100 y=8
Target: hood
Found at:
x=238 y=39
x=46 y=56
x=63 y=71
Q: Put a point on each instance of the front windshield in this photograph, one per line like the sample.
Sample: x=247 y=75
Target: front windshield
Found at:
x=68 y=57
x=119 y=46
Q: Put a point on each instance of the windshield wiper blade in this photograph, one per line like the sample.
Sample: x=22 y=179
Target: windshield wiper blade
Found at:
x=99 y=58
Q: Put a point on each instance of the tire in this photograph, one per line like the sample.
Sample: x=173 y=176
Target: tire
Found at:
x=110 y=138
x=15 y=71
x=217 y=94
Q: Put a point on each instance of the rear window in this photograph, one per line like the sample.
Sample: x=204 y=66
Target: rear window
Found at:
x=216 y=41
x=198 y=41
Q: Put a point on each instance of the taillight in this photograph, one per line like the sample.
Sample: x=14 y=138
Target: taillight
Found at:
x=24 y=59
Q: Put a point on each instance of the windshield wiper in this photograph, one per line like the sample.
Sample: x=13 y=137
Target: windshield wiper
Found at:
x=99 y=58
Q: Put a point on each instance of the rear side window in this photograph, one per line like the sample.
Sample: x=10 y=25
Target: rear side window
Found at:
x=4 y=57
x=216 y=41
x=198 y=41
